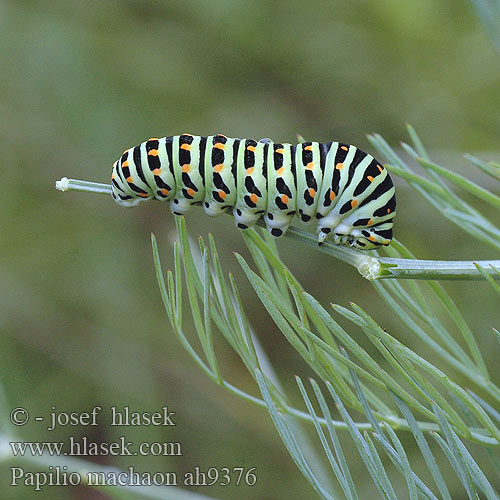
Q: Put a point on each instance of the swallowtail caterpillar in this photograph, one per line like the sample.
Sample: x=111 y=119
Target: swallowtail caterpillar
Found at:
x=348 y=191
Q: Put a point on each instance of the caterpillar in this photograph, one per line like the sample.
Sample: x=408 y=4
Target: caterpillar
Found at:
x=349 y=192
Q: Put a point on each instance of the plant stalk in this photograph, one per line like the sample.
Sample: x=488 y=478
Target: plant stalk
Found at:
x=371 y=268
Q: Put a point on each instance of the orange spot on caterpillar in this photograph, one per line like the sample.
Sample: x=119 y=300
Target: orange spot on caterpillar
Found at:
x=371 y=238
x=310 y=165
x=219 y=145
x=312 y=192
x=190 y=191
x=354 y=203
x=164 y=191
x=254 y=197
x=370 y=178
x=153 y=152
x=345 y=148
x=370 y=222
x=388 y=210
x=251 y=148
x=339 y=166
x=250 y=170
x=157 y=171
x=112 y=176
x=308 y=148
x=129 y=179
x=153 y=139
x=186 y=147
x=218 y=167
x=280 y=171
x=380 y=168
x=186 y=167
x=125 y=164
x=142 y=195
x=222 y=194
x=332 y=195
x=280 y=151
x=285 y=199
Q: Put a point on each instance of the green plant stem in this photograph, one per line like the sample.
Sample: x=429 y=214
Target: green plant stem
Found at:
x=371 y=268
x=66 y=184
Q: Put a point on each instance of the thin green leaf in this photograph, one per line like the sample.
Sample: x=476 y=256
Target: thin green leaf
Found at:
x=458 y=391
x=298 y=299
x=243 y=323
x=265 y=295
x=400 y=460
x=400 y=457
x=489 y=168
x=476 y=473
x=424 y=448
x=416 y=304
x=288 y=438
x=417 y=143
x=440 y=294
x=487 y=277
x=178 y=283
x=226 y=319
x=335 y=441
x=423 y=336
x=367 y=453
x=388 y=346
x=207 y=319
x=463 y=182
x=359 y=353
x=487 y=407
x=324 y=442
x=362 y=398
x=453 y=459
x=279 y=274
x=454 y=456
x=417 y=180
x=381 y=475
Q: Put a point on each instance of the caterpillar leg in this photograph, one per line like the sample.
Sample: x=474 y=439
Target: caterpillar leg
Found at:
x=349 y=240
x=245 y=218
x=329 y=223
x=179 y=206
x=278 y=222
x=213 y=209
x=365 y=238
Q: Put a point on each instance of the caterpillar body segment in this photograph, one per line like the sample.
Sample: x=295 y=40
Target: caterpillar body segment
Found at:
x=349 y=192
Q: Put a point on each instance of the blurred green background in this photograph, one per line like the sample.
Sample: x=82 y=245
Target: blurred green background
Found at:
x=81 y=318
